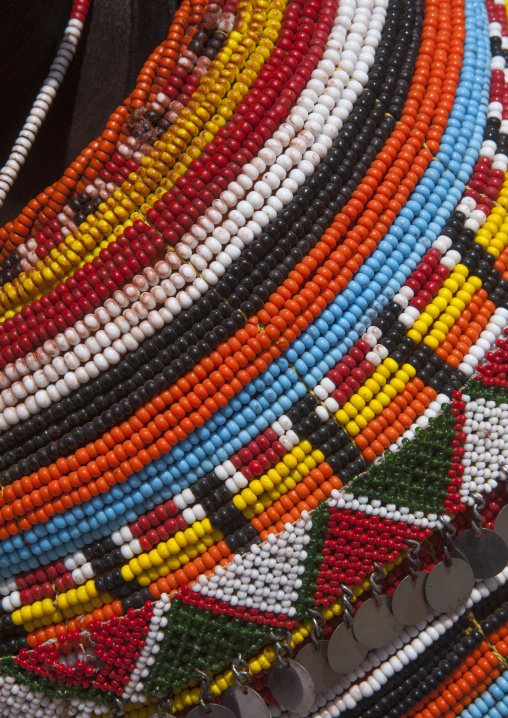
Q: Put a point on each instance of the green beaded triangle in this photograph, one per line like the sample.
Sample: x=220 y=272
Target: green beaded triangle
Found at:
x=416 y=475
x=203 y=640
x=306 y=599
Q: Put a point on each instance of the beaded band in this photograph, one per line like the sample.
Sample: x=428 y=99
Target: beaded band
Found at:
x=252 y=354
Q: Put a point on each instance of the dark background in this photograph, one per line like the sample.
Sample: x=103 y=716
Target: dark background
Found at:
x=118 y=37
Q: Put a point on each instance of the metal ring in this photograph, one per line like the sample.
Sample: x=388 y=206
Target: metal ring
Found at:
x=412 y=557
x=206 y=696
x=241 y=672
x=119 y=711
x=477 y=522
x=317 y=633
x=347 y=606
x=164 y=705
x=375 y=581
x=447 y=534
x=284 y=650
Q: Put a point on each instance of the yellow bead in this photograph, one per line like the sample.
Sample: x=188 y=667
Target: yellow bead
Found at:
x=305 y=446
x=207 y=526
x=256 y=487
x=303 y=469
x=180 y=539
x=82 y=594
x=461 y=269
x=290 y=461
x=468 y=287
x=91 y=590
x=135 y=566
x=379 y=378
x=431 y=342
x=127 y=573
x=266 y=483
x=420 y=327
x=342 y=417
x=144 y=561
x=62 y=602
x=464 y=296
x=357 y=402
x=445 y=293
x=361 y=421
x=390 y=364
x=298 y=453
x=447 y=320
x=431 y=310
x=199 y=528
x=239 y=502
x=398 y=385
x=350 y=410
x=426 y=317
x=458 y=304
x=155 y=558
x=310 y=463
x=367 y=413
x=72 y=597
x=352 y=428
x=365 y=393
x=275 y=475
x=402 y=376
x=383 y=370
x=37 y=611
x=372 y=386
x=190 y=535
x=440 y=302
x=415 y=336
x=47 y=606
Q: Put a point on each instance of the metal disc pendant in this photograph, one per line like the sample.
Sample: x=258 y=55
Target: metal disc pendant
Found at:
x=449 y=587
x=245 y=702
x=344 y=652
x=487 y=554
x=501 y=524
x=409 y=605
x=214 y=711
x=316 y=663
x=374 y=625
x=291 y=686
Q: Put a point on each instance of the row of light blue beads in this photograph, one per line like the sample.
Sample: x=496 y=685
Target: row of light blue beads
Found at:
x=187 y=462
x=401 y=252
x=492 y=703
x=398 y=254
x=256 y=415
x=149 y=490
x=104 y=517
x=257 y=406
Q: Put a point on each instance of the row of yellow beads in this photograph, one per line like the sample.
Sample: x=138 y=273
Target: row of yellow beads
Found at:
x=226 y=83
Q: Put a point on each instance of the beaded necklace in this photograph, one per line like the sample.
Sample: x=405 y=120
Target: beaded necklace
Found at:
x=283 y=286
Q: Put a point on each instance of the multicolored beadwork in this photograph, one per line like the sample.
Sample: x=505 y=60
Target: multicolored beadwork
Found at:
x=253 y=371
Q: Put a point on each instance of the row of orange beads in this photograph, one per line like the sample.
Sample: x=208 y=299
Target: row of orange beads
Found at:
x=310 y=296
x=41 y=210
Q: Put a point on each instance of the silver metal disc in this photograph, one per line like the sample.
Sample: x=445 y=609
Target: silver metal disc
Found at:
x=344 y=652
x=501 y=524
x=244 y=702
x=449 y=587
x=316 y=663
x=374 y=625
x=486 y=554
x=409 y=605
x=216 y=711
x=291 y=686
